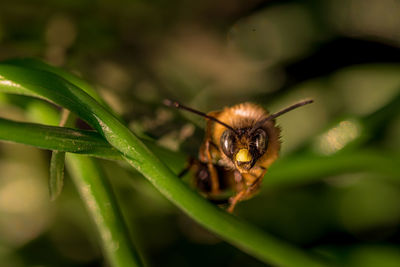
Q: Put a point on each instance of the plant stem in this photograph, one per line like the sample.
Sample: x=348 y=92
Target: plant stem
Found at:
x=243 y=235
x=93 y=187
x=99 y=199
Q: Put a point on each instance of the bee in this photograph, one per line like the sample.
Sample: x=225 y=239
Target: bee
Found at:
x=240 y=144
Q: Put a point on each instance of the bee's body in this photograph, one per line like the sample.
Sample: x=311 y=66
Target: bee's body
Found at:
x=240 y=143
x=242 y=118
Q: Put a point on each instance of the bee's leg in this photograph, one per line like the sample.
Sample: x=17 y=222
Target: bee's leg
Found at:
x=244 y=193
x=235 y=199
x=212 y=170
x=240 y=188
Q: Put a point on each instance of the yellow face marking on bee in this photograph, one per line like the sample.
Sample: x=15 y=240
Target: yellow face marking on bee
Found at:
x=243 y=155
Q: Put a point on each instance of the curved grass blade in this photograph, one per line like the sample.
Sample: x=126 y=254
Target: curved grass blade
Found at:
x=57 y=138
x=97 y=194
x=248 y=238
x=40 y=65
x=75 y=141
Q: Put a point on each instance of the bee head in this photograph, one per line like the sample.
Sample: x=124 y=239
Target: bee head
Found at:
x=244 y=146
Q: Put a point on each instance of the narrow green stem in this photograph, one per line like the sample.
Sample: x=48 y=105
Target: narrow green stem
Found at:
x=57 y=138
x=92 y=185
x=96 y=193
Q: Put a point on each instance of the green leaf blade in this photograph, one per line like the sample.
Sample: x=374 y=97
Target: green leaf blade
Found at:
x=100 y=202
x=56 y=180
x=235 y=231
x=57 y=138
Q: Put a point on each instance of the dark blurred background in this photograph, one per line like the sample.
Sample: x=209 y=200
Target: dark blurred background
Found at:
x=344 y=54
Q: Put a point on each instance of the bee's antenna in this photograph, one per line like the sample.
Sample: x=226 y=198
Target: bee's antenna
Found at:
x=178 y=105
x=294 y=106
x=283 y=111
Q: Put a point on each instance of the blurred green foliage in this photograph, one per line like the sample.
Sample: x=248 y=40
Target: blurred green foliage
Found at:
x=335 y=189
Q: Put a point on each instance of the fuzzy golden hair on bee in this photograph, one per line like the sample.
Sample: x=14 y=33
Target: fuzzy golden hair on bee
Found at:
x=243 y=118
x=240 y=144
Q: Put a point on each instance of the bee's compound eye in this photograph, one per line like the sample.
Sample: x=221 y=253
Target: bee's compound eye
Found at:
x=228 y=143
x=260 y=140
